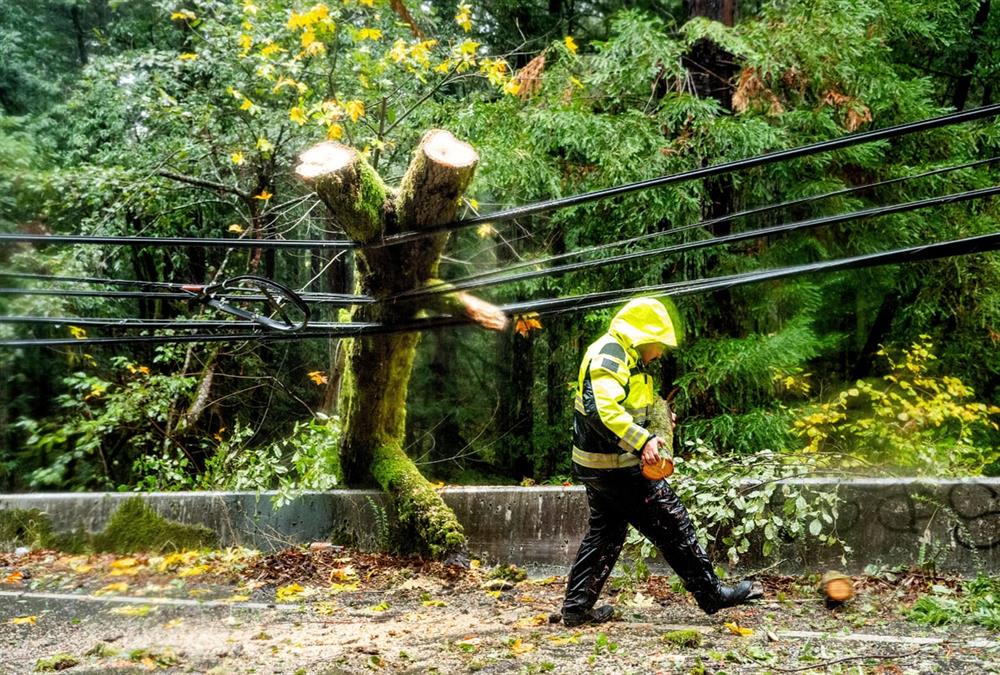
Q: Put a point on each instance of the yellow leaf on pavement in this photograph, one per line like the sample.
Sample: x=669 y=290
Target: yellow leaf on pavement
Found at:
x=23 y=620
x=193 y=571
x=118 y=587
x=518 y=647
x=737 y=629
x=133 y=610
x=289 y=593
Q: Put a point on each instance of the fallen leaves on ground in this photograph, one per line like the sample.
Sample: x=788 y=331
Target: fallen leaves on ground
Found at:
x=23 y=621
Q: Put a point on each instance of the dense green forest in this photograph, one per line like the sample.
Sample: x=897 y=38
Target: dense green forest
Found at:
x=186 y=118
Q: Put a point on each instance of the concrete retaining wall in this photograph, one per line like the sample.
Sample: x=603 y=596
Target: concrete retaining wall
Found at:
x=886 y=521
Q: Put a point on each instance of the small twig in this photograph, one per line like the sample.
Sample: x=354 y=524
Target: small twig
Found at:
x=759 y=572
x=827 y=664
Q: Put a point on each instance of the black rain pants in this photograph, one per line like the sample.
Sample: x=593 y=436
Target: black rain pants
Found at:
x=617 y=498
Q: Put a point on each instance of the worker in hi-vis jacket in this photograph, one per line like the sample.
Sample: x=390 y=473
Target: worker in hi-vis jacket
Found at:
x=610 y=443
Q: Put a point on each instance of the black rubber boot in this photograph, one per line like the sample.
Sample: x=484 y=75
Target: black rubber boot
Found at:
x=730 y=596
x=594 y=615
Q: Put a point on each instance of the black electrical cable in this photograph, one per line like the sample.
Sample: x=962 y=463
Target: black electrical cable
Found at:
x=149 y=324
x=705 y=172
x=222 y=242
x=715 y=241
x=91 y=280
x=967 y=246
x=335 y=299
x=757 y=210
x=538 y=207
x=348 y=299
x=585 y=302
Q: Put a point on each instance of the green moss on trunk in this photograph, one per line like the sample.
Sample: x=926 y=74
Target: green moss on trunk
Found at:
x=419 y=507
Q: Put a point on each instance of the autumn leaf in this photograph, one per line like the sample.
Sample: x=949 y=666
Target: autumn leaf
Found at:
x=463 y=16
x=570 y=44
x=175 y=560
x=342 y=588
x=737 y=629
x=318 y=377
x=547 y=581
x=485 y=230
x=435 y=603
x=380 y=607
x=23 y=621
x=298 y=115
x=517 y=647
x=235 y=229
x=372 y=34
x=188 y=56
x=77 y=332
x=193 y=571
x=14 y=577
x=263 y=196
x=344 y=574
x=531 y=621
x=237 y=158
x=561 y=640
x=290 y=593
x=334 y=132
x=183 y=15
x=133 y=610
x=118 y=587
x=526 y=323
x=355 y=109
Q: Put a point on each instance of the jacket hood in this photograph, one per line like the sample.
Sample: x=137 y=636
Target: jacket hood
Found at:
x=643 y=321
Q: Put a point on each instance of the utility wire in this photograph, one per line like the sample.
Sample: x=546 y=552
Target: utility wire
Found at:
x=537 y=207
x=715 y=221
x=92 y=280
x=586 y=302
x=510 y=268
x=705 y=243
x=345 y=299
x=173 y=324
x=705 y=172
x=335 y=299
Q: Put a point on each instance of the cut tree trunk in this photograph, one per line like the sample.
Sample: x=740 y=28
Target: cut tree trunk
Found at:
x=373 y=402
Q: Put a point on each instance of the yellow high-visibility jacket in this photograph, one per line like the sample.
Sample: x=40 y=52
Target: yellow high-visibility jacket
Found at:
x=614 y=394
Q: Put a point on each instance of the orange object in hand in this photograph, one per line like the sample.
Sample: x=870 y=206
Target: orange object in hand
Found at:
x=658 y=470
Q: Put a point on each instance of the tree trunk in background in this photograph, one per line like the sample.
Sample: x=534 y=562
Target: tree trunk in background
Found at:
x=712 y=70
x=374 y=400
x=964 y=82
x=78 y=31
x=517 y=412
